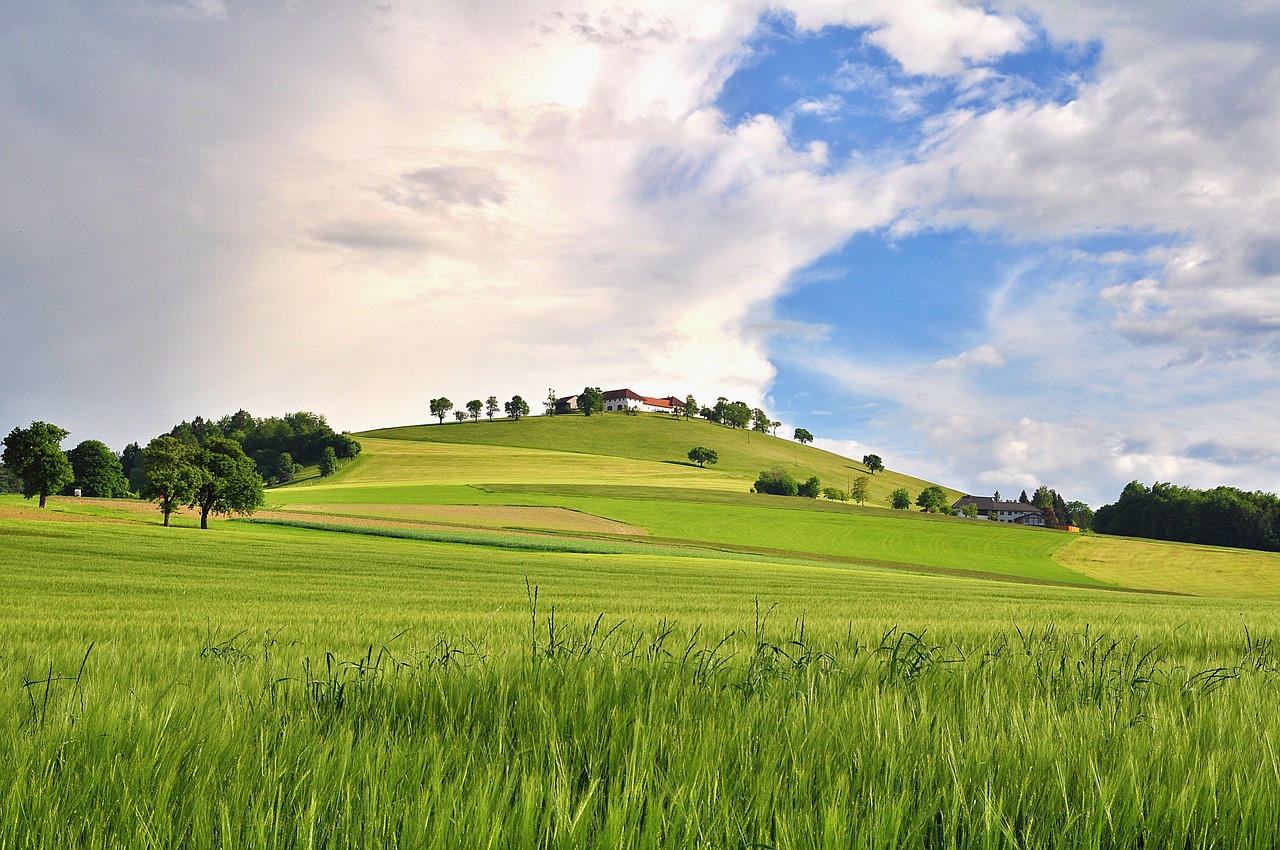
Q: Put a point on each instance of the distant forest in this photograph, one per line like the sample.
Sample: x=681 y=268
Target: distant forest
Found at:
x=279 y=445
x=1223 y=516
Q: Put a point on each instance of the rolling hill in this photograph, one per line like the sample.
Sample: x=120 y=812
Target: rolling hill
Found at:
x=627 y=477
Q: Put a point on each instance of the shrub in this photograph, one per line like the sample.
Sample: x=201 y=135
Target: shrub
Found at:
x=776 y=481
x=835 y=494
x=810 y=488
x=900 y=499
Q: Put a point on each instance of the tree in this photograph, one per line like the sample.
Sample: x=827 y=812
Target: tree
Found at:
x=690 y=407
x=737 y=415
x=516 y=408
x=97 y=470
x=131 y=466
x=858 y=489
x=460 y=415
x=1081 y=515
x=774 y=426
x=474 y=407
x=440 y=406
x=996 y=496
x=35 y=455
x=550 y=403
x=776 y=481
x=873 y=463
x=900 y=499
x=701 y=455
x=328 y=462
x=491 y=406
x=760 y=421
x=226 y=480
x=970 y=510
x=835 y=494
x=933 y=499
x=276 y=467
x=9 y=483
x=591 y=400
x=169 y=467
x=810 y=488
x=803 y=436
x=1023 y=500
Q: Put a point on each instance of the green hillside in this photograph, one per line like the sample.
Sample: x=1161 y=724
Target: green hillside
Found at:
x=664 y=439
x=627 y=476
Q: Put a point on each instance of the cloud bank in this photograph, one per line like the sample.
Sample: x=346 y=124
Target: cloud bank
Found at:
x=352 y=208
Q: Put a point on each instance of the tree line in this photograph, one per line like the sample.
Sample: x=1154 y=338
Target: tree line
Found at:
x=216 y=466
x=1222 y=516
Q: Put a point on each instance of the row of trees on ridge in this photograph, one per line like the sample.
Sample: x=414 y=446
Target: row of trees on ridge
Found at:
x=217 y=466
x=1222 y=516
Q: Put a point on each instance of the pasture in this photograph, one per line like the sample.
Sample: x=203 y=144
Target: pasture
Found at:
x=438 y=647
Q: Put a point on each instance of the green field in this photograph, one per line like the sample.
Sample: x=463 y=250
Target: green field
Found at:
x=443 y=647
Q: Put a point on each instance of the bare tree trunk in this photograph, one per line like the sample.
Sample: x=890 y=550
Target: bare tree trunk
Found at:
x=204 y=515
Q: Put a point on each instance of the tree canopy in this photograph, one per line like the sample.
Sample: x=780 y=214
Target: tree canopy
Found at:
x=474 y=407
x=516 y=408
x=278 y=444
x=170 y=475
x=97 y=470
x=858 y=489
x=900 y=499
x=802 y=436
x=701 y=455
x=34 y=454
x=934 y=499
x=591 y=401
x=226 y=480
x=1223 y=516
x=873 y=463
x=777 y=481
x=440 y=407
x=491 y=407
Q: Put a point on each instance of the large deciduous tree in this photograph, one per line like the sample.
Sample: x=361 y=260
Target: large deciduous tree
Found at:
x=858 y=489
x=933 y=499
x=440 y=407
x=802 y=436
x=516 y=408
x=169 y=471
x=226 y=480
x=474 y=407
x=35 y=455
x=873 y=463
x=701 y=455
x=491 y=407
x=591 y=401
x=98 y=472
x=900 y=499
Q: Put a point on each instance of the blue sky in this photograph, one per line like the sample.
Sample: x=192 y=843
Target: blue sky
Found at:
x=1000 y=245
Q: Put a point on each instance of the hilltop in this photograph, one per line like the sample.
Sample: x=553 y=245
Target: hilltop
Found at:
x=660 y=438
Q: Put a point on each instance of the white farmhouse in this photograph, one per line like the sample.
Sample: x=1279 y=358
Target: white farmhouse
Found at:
x=1020 y=513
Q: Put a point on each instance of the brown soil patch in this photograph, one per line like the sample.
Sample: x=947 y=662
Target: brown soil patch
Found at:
x=71 y=509
x=472 y=516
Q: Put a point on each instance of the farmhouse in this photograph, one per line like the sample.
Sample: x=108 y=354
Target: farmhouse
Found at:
x=624 y=399
x=1020 y=513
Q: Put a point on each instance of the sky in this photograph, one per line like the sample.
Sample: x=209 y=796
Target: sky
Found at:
x=1000 y=245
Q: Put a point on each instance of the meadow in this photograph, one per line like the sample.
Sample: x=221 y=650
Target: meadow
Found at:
x=400 y=658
